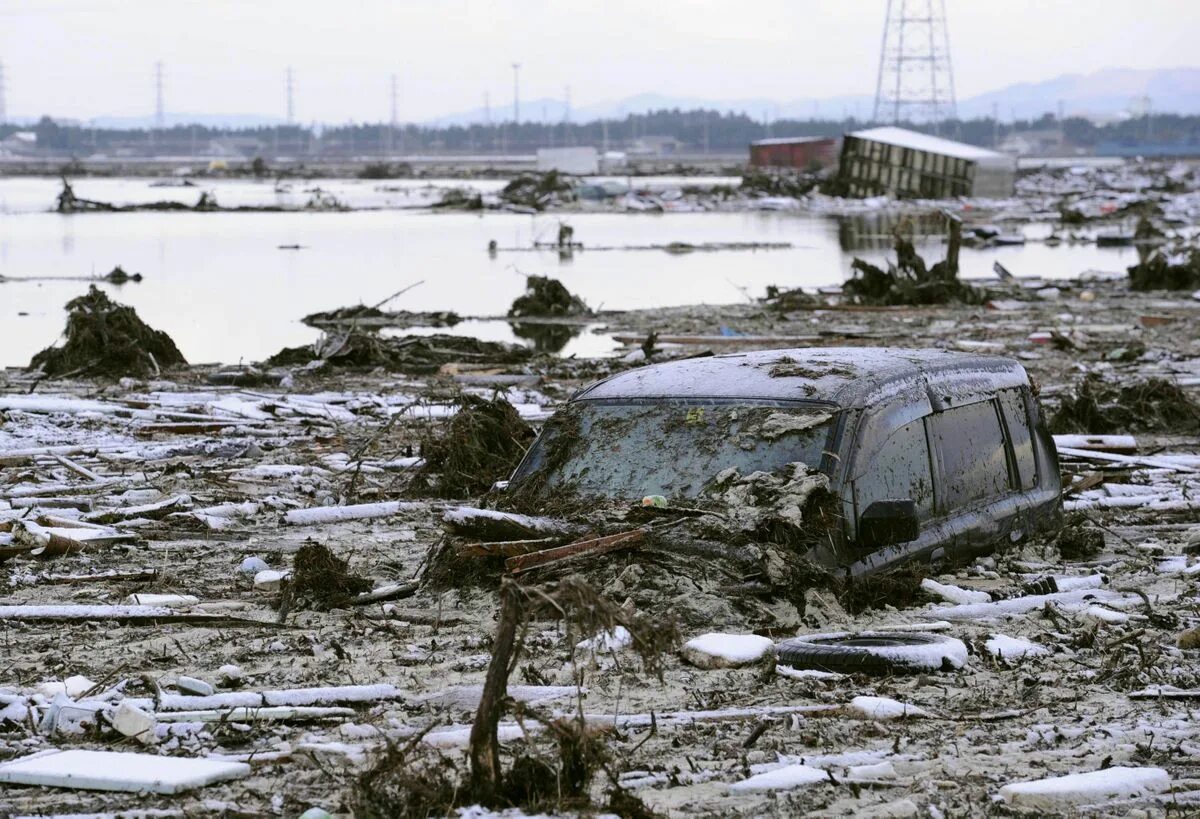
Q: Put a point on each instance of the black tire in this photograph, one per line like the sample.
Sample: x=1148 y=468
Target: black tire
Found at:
x=868 y=652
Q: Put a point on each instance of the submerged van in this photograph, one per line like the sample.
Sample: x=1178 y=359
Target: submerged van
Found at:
x=928 y=454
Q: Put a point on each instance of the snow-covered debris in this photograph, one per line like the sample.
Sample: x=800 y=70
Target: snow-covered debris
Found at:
x=1058 y=792
x=1076 y=600
x=954 y=594
x=1100 y=614
x=716 y=650
x=781 y=779
x=171 y=601
x=1013 y=648
x=884 y=708
x=607 y=641
x=336 y=514
x=131 y=721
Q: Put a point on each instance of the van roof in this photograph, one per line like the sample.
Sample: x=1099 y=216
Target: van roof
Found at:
x=846 y=377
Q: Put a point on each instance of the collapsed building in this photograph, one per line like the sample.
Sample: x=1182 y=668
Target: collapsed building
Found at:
x=903 y=163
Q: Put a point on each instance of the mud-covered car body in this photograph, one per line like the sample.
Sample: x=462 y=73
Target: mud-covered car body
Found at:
x=929 y=453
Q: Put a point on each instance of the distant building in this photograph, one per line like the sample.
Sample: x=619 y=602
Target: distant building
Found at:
x=655 y=145
x=580 y=161
x=1036 y=142
x=905 y=163
x=19 y=143
x=801 y=153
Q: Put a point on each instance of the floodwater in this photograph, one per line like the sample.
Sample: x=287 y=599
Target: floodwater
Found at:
x=222 y=287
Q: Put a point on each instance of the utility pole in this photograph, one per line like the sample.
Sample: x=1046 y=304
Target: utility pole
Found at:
x=516 y=67
x=391 y=129
x=158 y=95
x=3 y=103
x=567 y=115
x=291 y=100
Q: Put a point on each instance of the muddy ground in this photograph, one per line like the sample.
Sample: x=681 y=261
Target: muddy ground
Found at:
x=348 y=438
x=183 y=479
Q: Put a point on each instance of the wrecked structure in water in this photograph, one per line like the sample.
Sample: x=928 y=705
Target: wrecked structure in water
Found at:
x=905 y=163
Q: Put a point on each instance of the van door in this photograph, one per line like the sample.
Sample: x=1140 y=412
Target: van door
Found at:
x=976 y=484
x=899 y=468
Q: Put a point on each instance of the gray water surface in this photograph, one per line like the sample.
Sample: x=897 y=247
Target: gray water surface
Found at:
x=225 y=291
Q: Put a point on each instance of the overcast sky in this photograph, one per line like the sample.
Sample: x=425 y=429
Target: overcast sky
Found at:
x=85 y=58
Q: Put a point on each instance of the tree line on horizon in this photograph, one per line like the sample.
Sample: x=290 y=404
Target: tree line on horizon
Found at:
x=696 y=131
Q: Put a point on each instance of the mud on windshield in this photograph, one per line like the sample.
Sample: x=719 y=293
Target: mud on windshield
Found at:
x=628 y=449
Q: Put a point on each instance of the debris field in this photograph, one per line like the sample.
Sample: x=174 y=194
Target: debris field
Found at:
x=300 y=574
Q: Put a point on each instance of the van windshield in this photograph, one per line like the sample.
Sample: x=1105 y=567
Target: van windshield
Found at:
x=675 y=448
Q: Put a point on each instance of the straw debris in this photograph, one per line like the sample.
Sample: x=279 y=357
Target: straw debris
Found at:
x=481 y=443
x=107 y=339
x=545 y=296
x=1100 y=408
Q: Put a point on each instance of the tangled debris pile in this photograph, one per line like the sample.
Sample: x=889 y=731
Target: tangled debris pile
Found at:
x=538 y=190
x=1099 y=407
x=547 y=297
x=107 y=339
x=362 y=315
x=909 y=281
x=481 y=443
x=759 y=182
x=414 y=355
x=320 y=580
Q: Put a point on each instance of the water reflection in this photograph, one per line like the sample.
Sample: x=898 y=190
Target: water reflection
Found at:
x=546 y=338
x=877 y=231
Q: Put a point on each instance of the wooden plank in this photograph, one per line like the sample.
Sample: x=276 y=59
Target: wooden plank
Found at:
x=505 y=548
x=580 y=548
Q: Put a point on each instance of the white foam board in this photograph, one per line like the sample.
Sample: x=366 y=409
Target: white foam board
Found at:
x=118 y=771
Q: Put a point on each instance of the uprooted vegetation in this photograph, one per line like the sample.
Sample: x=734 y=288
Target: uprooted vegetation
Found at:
x=909 y=281
x=1098 y=407
x=556 y=775
x=547 y=297
x=481 y=443
x=320 y=580
x=107 y=339
x=413 y=355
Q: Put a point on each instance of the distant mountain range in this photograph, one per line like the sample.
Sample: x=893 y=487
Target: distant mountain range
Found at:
x=1106 y=94
x=1110 y=93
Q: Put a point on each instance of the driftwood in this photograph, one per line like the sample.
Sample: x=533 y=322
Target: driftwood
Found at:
x=571 y=551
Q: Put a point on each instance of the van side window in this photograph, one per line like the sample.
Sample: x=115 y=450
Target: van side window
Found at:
x=1016 y=418
x=900 y=469
x=970 y=447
